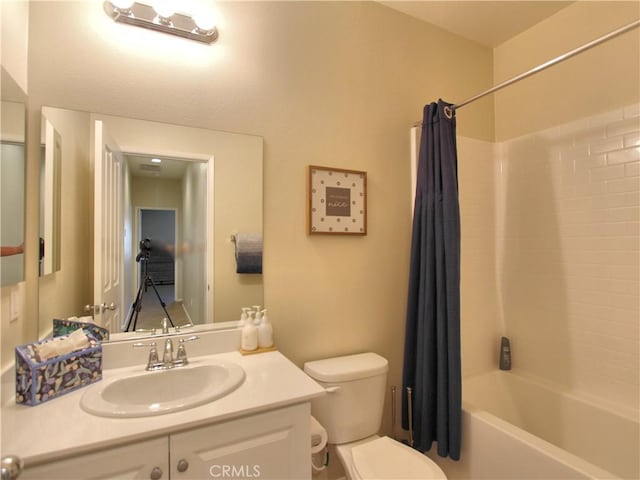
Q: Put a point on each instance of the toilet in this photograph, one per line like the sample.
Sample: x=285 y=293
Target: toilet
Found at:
x=351 y=413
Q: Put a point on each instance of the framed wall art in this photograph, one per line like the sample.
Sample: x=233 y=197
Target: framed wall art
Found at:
x=337 y=201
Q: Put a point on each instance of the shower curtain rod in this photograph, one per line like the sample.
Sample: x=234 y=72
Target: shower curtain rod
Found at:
x=554 y=61
x=548 y=64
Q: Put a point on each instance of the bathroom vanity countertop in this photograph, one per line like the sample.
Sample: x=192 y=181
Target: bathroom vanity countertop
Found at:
x=61 y=428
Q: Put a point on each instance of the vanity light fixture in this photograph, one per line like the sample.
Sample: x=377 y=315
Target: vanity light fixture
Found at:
x=163 y=19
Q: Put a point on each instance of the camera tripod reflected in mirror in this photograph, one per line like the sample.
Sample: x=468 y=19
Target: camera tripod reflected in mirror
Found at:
x=147 y=281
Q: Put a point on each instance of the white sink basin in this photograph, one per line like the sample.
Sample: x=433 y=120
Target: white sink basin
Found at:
x=164 y=391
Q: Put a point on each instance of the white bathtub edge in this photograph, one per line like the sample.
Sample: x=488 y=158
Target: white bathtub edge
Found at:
x=568 y=460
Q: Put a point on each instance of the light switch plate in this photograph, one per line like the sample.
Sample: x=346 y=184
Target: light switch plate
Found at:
x=14 y=306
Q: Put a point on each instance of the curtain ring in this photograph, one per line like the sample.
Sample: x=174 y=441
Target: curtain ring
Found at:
x=448 y=111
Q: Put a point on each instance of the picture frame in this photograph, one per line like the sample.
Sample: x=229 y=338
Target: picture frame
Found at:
x=337 y=201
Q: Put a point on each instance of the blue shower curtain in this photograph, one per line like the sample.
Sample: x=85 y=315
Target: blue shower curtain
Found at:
x=432 y=337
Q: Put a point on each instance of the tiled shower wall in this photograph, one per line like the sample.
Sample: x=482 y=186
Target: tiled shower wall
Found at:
x=479 y=316
x=567 y=253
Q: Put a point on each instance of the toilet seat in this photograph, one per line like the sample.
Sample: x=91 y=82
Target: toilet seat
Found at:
x=384 y=458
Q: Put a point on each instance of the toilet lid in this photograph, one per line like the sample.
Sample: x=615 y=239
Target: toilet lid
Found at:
x=384 y=458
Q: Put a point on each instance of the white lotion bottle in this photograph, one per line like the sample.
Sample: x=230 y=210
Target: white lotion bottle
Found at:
x=265 y=331
x=249 y=336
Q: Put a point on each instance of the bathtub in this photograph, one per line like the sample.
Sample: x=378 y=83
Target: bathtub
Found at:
x=515 y=427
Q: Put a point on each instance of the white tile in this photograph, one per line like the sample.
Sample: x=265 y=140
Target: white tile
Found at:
x=587 y=162
x=606 y=118
x=569 y=251
x=623 y=185
x=632 y=140
x=623 y=156
x=631 y=111
x=606 y=145
x=623 y=272
x=629 y=125
x=623 y=214
x=589 y=135
x=607 y=173
x=625 y=199
x=632 y=169
x=628 y=302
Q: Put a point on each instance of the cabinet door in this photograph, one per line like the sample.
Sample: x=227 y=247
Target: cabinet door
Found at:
x=142 y=460
x=272 y=445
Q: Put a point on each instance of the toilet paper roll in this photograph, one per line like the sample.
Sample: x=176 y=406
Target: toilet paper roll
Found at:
x=318 y=436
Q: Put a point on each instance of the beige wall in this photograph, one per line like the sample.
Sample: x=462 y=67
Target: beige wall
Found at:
x=14 y=39
x=327 y=83
x=238 y=209
x=156 y=193
x=596 y=81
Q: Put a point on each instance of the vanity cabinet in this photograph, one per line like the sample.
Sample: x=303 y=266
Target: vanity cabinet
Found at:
x=270 y=445
x=148 y=459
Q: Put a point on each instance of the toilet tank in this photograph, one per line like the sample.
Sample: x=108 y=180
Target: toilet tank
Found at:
x=356 y=384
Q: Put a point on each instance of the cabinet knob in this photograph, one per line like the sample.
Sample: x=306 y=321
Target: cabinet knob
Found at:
x=11 y=467
x=156 y=473
x=183 y=465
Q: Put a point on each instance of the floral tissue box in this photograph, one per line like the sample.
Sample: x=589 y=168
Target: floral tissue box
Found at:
x=64 y=327
x=40 y=381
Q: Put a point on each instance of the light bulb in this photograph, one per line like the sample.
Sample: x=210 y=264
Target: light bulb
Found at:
x=205 y=19
x=164 y=8
x=122 y=4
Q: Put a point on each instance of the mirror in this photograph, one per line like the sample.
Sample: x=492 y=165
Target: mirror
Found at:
x=206 y=188
x=12 y=177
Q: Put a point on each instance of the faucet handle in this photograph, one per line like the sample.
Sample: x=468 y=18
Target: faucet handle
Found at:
x=186 y=325
x=181 y=356
x=153 y=363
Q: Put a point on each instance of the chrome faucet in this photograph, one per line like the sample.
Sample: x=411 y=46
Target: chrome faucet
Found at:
x=165 y=326
x=167 y=356
x=168 y=361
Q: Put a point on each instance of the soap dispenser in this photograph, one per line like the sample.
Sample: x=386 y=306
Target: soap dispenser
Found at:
x=258 y=314
x=249 y=336
x=243 y=318
x=265 y=331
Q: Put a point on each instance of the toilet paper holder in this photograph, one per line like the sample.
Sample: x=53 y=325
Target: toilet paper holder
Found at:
x=319 y=436
x=319 y=439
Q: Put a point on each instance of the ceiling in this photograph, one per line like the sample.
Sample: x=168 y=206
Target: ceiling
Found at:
x=169 y=169
x=489 y=23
